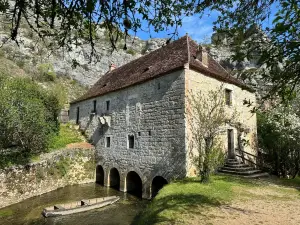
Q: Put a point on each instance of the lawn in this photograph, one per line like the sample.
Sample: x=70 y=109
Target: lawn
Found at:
x=225 y=200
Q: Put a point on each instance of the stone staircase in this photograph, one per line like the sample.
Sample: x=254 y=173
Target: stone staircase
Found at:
x=234 y=167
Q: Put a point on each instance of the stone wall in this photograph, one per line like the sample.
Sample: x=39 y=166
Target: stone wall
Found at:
x=54 y=170
x=196 y=82
x=153 y=113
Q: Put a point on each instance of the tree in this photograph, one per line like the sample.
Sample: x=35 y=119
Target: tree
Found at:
x=66 y=22
x=278 y=137
x=207 y=117
x=28 y=115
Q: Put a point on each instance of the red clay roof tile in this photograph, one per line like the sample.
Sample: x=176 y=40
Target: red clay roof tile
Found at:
x=157 y=63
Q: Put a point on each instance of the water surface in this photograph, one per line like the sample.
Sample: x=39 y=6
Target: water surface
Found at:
x=28 y=212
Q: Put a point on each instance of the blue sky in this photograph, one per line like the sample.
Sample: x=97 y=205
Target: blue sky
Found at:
x=199 y=29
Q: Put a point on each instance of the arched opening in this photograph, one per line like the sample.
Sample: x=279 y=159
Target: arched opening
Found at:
x=134 y=184
x=157 y=183
x=99 y=175
x=114 y=178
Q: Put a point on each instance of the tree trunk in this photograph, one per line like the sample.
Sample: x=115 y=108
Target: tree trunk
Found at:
x=206 y=169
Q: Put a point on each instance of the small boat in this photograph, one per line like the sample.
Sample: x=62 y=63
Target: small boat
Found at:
x=78 y=206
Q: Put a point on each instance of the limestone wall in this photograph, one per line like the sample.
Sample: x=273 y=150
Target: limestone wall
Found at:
x=197 y=82
x=55 y=170
x=153 y=112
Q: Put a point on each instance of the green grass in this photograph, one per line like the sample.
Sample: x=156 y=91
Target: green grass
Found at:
x=184 y=199
x=6 y=213
x=66 y=136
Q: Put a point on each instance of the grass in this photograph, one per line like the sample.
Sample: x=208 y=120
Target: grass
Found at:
x=181 y=200
x=66 y=136
x=6 y=213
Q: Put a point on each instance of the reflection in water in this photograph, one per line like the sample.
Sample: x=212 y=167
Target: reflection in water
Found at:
x=29 y=211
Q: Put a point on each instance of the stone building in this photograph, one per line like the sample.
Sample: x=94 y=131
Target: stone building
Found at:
x=135 y=115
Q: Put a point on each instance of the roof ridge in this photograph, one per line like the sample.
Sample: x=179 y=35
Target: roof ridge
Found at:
x=188 y=48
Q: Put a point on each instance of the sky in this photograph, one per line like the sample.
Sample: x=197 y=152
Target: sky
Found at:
x=199 y=29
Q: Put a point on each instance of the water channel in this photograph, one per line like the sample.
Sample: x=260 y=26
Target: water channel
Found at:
x=28 y=212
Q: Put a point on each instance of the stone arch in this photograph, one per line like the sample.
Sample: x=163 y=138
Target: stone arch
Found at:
x=157 y=183
x=99 y=175
x=114 y=178
x=134 y=184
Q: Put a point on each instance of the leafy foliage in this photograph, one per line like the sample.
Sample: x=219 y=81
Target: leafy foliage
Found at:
x=46 y=72
x=206 y=117
x=278 y=132
x=28 y=115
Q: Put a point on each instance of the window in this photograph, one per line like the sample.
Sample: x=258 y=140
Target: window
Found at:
x=158 y=85
x=149 y=132
x=107 y=142
x=107 y=105
x=77 y=115
x=228 y=97
x=139 y=133
x=94 y=106
x=130 y=141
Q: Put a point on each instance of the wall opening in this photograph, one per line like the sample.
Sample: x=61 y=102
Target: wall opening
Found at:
x=134 y=184
x=107 y=142
x=157 y=183
x=114 y=178
x=99 y=175
x=228 y=97
x=107 y=105
x=130 y=141
x=77 y=115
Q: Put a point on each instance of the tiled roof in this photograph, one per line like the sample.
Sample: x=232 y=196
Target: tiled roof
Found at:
x=157 y=63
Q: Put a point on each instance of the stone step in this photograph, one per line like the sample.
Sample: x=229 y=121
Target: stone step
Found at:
x=244 y=168
x=236 y=165
x=251 y=176
x=248 y=172
x=258 y=175
x=233 y=162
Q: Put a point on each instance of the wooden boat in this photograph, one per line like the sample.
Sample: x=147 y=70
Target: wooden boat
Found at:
x=78 y=206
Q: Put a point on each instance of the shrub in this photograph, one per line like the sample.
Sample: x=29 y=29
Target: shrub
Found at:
x=46 y=72
x=28 y=115
x=131 y=51
x=278 y=134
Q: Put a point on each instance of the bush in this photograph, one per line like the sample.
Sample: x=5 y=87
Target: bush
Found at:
x=278 y=134
x=28 y=115
x=131 y=52
x=46 y=72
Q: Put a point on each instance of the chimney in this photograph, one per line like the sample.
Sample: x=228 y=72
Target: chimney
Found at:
x=202 y=55
x=112 y=67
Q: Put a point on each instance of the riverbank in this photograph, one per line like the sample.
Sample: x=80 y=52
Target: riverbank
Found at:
x=225 y=200
x=75 y=165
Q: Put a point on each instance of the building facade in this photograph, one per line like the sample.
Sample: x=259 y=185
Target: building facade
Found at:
x=136 y=116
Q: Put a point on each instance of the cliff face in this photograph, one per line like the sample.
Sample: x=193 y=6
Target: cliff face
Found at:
x=31 y=52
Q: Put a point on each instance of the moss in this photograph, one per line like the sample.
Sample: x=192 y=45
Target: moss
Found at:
x=63 y=166
x=131 y=51
x=6 y=213
x=40 y=173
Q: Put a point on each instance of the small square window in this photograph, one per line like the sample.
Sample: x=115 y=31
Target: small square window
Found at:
x=130 y=141
x=139 y=133
x=228 y=97
x=107 y=142
x=107 y=105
